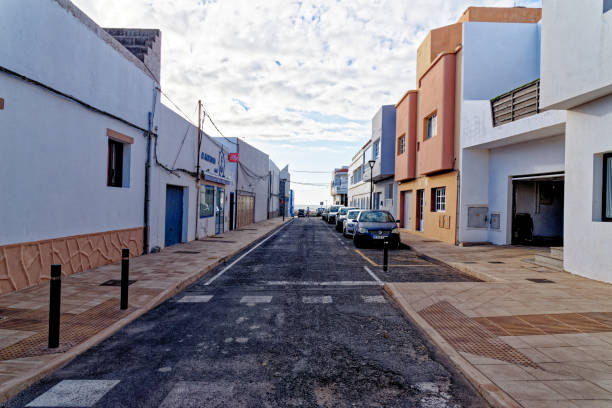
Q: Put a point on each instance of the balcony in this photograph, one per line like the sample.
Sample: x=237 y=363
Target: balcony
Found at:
x=339 y=188
x=519 y=103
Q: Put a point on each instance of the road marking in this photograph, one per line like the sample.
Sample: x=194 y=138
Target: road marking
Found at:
x=74 y=393
x=241 y=319
x=374 y=299
x=195 y=299
x=366 y=258
x=252 y=300
x=381 y=283
x=312 y=283
x=211 y=280
x=242 y=340
x=317 y=299
x=164 y=369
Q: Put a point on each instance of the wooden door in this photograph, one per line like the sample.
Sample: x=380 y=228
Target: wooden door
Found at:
x=246 y=210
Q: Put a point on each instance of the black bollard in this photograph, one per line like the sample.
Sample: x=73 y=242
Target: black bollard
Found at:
x=385 y=255
x=125 y=276
x=55 y=297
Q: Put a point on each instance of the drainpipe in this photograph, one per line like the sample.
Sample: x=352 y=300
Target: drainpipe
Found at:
x=147 y=202
x=269 y=191
x=198 y=171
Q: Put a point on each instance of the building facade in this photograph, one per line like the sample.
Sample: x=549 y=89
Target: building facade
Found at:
x=429 y=125
x=383 y=153
x=582 y=85
x=358 y=189
x=339 y=186
x=106 y=165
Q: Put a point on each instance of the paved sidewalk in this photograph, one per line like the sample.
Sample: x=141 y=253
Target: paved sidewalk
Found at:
x=90 y=310
x=525 y=336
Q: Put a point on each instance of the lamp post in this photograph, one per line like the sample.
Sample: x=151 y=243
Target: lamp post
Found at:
x=371 y=164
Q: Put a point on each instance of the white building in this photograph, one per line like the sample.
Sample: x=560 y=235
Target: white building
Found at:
x=576 y=75
x=86 y=102
x=274 y=188
x=339 y=186
x=358 y=189
x=90 y=160
x=511 y=169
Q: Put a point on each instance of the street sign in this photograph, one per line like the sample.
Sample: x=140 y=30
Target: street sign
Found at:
x=233 y=157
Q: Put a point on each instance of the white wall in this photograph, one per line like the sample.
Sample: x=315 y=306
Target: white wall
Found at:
x=576 y=53
x=274 y=189
x=53 y=153
x=498 y=57
x=255 y=180
x=171 y=132
x=587 y=239
x=537 y=157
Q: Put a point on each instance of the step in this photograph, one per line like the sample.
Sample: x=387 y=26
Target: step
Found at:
x=556 y=252
x=549 y=262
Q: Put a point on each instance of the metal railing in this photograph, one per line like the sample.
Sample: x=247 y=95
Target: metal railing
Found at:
x=517 y=104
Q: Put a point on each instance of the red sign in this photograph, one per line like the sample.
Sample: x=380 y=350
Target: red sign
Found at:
x=233 y=157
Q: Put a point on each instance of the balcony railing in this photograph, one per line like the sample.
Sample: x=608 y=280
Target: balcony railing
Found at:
x=517 y=104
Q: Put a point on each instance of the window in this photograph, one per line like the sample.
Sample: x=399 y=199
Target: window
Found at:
x=438 y=199
x=607 y=187
x=207 y=201
x=115 y=164
x=389 y=191
x=375 y=150
x=401 y=145
x=118 y=166
x=432 y=126
x=607 y=5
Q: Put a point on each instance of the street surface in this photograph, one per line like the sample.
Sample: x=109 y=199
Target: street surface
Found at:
x=300 y=319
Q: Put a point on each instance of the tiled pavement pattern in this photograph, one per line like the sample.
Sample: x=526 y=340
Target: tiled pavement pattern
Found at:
x=88 y=309
x=564 y=328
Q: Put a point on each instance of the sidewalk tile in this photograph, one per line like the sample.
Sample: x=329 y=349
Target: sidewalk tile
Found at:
x=530 y=390
x=562 y=354
x=579 y=389
x=504 y=372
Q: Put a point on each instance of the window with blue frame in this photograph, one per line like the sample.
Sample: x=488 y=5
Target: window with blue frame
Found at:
x=375 y=150
x=207 y=201
x=607 y=5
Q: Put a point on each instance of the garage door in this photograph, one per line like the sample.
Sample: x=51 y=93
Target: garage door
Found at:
x=246 y=210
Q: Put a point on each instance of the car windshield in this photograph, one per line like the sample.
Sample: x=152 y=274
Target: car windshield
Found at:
x=334 y=209
x=352 y=215
x=375 y=216
x=343 y=211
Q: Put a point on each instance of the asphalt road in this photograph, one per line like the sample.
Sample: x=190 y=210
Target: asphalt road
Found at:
x=301 y=320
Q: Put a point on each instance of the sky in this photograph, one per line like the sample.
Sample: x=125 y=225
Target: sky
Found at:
x=300 y=80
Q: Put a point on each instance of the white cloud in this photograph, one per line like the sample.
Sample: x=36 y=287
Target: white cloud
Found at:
x=226 y=53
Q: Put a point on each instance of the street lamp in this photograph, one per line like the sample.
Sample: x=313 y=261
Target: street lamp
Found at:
x=371 y=164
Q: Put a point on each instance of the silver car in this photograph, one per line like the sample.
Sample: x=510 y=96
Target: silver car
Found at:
x=341 y=216
x=350 y=222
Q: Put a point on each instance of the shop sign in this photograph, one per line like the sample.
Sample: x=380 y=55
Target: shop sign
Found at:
x=233 y=157
x=208 y=158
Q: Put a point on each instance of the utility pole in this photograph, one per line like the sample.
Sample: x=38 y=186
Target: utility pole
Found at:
x=199 y=142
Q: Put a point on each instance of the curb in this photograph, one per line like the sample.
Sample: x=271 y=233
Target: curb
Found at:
x=494 y=395
x=13 y=387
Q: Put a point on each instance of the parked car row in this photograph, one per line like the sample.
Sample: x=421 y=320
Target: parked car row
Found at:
x=363 y=226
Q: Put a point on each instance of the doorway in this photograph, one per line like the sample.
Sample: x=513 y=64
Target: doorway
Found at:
x=232 y=210
x=174 y=215
x=420 y=210
x=220 y=211
x=537 y=210
x=408 y=210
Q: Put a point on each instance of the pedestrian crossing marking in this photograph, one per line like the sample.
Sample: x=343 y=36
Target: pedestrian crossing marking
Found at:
x=252 y=300
x=74 y=393
x=374 y=299
x=317 y=299
x=195 y=299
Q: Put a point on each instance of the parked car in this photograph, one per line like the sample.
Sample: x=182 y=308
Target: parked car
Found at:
x=301 y=213
x=325 y=214
x=376 y=226
x=341 y=217
x=320 y=211
x=348 y=226
x=333 y=211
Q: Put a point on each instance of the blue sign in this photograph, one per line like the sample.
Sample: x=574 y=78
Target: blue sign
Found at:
x=208 y=158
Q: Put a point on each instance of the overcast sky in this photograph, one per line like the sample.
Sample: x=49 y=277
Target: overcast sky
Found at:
x=299 y=80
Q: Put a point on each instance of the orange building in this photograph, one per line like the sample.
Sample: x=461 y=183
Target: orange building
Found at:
x=427 y=127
